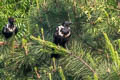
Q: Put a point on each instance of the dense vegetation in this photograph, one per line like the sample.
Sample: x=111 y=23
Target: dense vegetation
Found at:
x=93 y=52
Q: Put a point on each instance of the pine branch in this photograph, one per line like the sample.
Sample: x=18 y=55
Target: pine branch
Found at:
x=58 y=49
x=85 y=63
x=48 y=44
x=61 y=51
x=5 y=43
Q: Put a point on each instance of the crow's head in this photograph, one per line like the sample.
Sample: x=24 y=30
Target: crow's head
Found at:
x=66 y=24
x=11 y=20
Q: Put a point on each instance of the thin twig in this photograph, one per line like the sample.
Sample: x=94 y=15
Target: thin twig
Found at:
x=2 y=43
x=38 y=75
x=78 y=57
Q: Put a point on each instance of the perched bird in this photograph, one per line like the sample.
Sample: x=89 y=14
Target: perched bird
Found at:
x=9 y=29
x=62 y=35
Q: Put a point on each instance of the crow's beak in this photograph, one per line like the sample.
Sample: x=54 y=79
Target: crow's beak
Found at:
x=70 y=23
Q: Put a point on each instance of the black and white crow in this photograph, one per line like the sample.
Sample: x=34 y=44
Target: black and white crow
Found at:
x=9 y=29
x=62 y=35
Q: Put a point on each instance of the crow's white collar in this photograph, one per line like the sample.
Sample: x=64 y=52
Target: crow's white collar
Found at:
x=11 y=30
x=59 y=28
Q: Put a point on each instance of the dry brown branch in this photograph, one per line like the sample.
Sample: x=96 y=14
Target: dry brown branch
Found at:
x=2 y=43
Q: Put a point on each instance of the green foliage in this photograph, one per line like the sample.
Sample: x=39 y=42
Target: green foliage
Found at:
x=92 y=52
x=61 y=73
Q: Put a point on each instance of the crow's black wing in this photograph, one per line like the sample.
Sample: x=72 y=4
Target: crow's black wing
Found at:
x=16 y=30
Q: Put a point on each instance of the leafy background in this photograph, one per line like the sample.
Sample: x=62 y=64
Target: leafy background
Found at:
x=92 y=52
